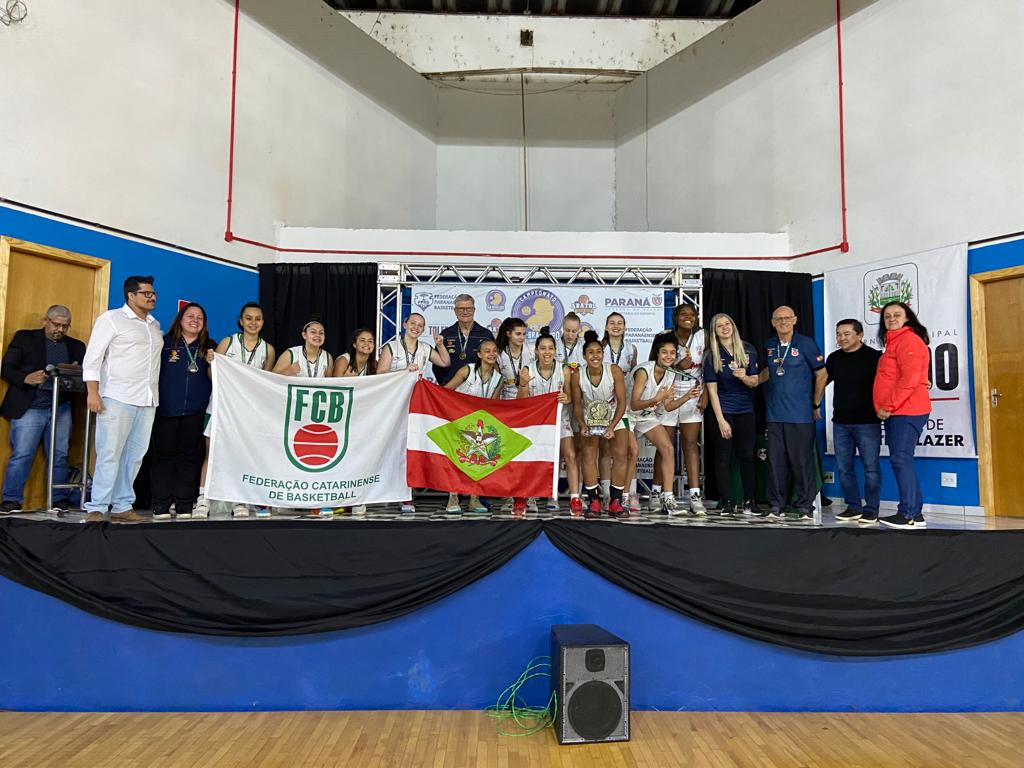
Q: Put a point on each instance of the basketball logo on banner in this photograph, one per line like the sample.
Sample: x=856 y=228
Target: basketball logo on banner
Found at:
x=316 y=426
x=539 y=307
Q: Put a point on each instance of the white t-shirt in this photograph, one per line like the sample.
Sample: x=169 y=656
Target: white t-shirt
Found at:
x=474 y=385
x=572 y=354
x=317 y=369
x=257 y=357
x=401 y=358
x=364 y=372
x=510 y=368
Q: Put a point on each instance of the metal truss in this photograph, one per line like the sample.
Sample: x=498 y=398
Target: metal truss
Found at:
x=394 y=278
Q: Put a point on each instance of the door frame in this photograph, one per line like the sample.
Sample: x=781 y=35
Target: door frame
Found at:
x=982 y=401
x=101 y=286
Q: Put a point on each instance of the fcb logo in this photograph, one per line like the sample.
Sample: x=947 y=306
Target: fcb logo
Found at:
x=583 y=305
x=495 y=300
x=316 y=426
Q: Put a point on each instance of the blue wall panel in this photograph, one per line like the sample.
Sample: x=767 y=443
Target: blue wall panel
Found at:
x=460 y=653
x=220 y=288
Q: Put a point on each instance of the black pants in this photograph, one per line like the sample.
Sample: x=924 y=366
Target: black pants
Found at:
x=791 y=453
x=743 y=445
x=177 y=445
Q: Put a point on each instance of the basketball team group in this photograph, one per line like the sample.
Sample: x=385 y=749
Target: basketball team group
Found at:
x=151 y=392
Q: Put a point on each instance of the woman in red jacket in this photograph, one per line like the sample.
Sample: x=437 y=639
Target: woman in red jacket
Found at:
x=902 y=402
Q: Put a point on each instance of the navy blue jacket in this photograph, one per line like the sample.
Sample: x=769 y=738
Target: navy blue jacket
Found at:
x=183 y=393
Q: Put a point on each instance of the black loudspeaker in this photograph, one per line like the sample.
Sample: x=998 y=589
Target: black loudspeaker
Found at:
x=590 y=675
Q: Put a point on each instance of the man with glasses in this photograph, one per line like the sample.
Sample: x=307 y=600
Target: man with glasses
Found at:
x=122 y=372
x=29 y=404
x=794 y=372
x=462 y=339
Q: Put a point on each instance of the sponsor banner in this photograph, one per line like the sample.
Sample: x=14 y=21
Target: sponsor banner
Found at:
x=284 y=441
x=642 y=306
x=934 y=285
x=464 y=444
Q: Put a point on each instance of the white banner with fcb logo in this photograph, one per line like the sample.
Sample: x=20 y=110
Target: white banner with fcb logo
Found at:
x=642 y=306
x=934 y=285
x=283 y=441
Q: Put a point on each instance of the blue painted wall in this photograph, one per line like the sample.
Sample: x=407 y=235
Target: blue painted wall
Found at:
x=981 y=259
x=221 y=288
x=460 y=654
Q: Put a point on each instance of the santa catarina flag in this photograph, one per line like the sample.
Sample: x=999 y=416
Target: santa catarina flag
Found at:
x=465 y=444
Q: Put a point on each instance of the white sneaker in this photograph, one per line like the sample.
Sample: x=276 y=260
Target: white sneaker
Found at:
x=551 y=505
x=408 y=508
x=668 y=503
x=654 y=505
x=359 y=510
x=186 y=515
x=531 y=505
x=240 y=511
x=453 y=507
x=263 y=512
x=326 y=512
x=697 y=506
x=162 y=515
x=201 y=508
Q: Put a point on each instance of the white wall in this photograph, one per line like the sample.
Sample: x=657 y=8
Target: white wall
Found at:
x=559 y=249
x=116 y=111
x=431 y=42
x=743 y=130
x=570 y=137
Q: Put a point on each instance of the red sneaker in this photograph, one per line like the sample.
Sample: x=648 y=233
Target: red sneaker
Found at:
x=594 y=510
x=615 y=509
x=576 y=506
x=519 y=507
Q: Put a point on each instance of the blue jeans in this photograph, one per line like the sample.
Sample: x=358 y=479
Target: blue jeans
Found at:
x=865 y=439
x=901 y=435
x=122 y=439
x=25 y=435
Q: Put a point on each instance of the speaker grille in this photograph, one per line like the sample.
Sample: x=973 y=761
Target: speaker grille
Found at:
x=594 y=710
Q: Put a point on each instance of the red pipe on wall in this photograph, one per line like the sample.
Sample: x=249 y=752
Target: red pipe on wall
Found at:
x=842 y=246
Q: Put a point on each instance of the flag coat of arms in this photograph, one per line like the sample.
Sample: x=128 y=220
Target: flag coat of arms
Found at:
x=465 y=444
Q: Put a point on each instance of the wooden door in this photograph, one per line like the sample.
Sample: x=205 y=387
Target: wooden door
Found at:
x=1000 y=389
x=33 y=278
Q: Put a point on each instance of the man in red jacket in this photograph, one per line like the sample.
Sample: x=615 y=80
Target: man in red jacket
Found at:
x=901 y=400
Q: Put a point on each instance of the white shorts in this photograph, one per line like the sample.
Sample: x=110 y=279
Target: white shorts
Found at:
x=688 y=413
x=565 y=426
x=643 y=426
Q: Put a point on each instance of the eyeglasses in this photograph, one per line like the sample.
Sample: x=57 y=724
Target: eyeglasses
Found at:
x=147 y=294
x=59 y=326
x=789 y=319
x=465 y=309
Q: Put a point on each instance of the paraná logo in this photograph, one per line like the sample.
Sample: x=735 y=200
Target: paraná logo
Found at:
x=316 y=426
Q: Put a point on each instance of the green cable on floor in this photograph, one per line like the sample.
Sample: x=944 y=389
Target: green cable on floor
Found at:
x=510 y=706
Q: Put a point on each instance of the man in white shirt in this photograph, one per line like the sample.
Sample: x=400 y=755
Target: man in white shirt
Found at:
x=121 y=370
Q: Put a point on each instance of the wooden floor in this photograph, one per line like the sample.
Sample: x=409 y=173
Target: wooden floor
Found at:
x=464 y=739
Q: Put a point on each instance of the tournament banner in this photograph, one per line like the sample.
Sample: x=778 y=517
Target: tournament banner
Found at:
x=934 y=285
x=465 y=444
x=642 y=306
x=284 y=441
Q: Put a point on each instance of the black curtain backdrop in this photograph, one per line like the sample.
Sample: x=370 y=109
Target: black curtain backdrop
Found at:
x=748 y=297
x=834 y=591
x=344 y=296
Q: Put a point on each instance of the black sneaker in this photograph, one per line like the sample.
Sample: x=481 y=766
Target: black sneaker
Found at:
x=774 y=514
x=805 y=517
x=10 y=507
x=749 y=509
x=849 y=516
x=868 y=518
x=897 y=521
x=919 y=521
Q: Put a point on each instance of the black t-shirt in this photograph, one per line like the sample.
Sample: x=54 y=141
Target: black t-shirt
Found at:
x=853 y=374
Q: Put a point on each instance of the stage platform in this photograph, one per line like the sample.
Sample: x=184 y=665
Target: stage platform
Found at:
x=470 y=740
x=424 y=611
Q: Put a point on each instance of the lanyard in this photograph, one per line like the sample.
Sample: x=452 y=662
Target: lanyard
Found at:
x=409 y=359
x=463 y=342
x=782 y=354
x=568 y=352
x=615 y=358
x=512 y=363
x=193 y=366
x=316 y=368
x=241 y=343
x=484 y=384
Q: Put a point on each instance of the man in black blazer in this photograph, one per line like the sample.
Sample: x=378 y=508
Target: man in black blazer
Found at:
x=29 y=400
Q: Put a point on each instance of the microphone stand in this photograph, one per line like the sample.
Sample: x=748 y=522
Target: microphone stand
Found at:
x=66 y=377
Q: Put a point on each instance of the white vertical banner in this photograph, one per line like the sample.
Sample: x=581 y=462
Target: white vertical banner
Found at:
x=934 y=285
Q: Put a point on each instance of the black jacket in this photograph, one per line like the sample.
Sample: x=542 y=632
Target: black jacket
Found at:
x=27 y=353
